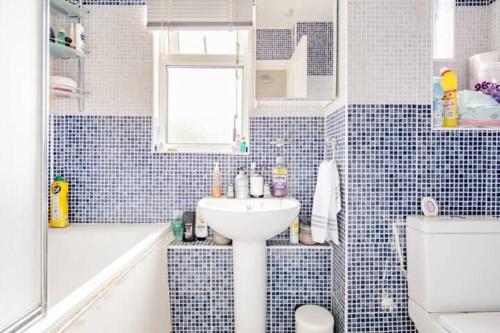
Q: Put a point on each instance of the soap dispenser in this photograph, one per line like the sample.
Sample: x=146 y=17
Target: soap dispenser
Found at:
x=256 y=182
x=241 y=185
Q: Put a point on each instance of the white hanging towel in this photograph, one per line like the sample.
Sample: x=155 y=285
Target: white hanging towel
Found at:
x=321 y=203
x=326 y=204
x=335 y=202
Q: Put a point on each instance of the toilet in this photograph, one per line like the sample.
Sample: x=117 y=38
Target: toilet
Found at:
x=454 y=274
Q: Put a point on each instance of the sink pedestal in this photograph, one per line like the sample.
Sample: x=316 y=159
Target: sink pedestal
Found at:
x=250 y=286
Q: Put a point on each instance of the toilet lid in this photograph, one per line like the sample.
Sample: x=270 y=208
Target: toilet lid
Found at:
x=484 y=322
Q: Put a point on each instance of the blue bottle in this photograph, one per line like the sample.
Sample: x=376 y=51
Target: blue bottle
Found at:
x=437 y=103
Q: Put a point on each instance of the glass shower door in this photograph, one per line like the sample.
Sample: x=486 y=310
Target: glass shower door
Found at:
x=23 y=203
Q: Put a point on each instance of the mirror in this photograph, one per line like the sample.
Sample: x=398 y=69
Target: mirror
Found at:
x=466 y=64
x=295 y=49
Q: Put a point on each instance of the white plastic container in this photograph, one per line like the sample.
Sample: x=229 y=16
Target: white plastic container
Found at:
x=313 y=319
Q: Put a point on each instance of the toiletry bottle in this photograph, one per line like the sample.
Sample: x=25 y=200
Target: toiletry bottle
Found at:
x=61 y=37
x=230 y=192
x=241 y=185
x=178 y=226
x=279 y=186
x=256 y=182
x=294 y=231
x=243 y=145
x=237 y=144
x=59 y=211
x=201 y=227
x=189 y=220
x=437 y=103
x=450 y=103
x=216 y=185
x=267 y=191
x=72 y=36
x=79 y=37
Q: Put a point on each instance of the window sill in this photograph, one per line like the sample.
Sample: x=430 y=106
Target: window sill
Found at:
x=197 y=149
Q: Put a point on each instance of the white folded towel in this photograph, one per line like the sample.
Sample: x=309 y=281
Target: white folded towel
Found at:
x=326 y=204
x=321 y=203
x=56 y=80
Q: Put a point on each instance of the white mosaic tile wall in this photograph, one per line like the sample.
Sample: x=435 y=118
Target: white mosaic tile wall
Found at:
x=117 y=71
x=494 y=21
x=389 y=46
x=471 y=37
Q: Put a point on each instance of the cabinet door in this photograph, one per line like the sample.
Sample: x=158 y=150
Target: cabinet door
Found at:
x=22 y=162
x=297 y=71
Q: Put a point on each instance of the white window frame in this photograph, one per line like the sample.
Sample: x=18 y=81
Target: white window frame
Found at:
x=160 y=115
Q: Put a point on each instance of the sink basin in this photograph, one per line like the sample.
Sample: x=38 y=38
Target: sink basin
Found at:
x=249 y=223
x=249 y=219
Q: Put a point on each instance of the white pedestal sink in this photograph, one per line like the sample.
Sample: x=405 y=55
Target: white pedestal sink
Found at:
x=249 y=223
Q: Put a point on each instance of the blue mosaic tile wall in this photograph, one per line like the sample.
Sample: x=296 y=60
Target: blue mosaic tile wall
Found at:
x=394 y=160
x=335 y=128
x=470 y=3
x=278 y=44
x=381 y=186
x=320 y=39
x=274 y=44
x=114 y=176
x=201 y=285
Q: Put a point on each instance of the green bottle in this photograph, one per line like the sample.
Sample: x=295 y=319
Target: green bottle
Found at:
x=178 y=225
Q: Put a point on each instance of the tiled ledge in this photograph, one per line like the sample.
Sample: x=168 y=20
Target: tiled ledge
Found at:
x=175 y=244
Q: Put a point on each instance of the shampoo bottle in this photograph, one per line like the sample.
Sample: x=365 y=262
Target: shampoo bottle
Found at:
x=279 y=187
x=450 y=103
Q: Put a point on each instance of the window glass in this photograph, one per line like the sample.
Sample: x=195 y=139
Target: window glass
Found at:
x=444 y=29
x=202 y=103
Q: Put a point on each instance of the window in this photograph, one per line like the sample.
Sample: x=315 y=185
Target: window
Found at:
x=444 y=29
x=203 y=104
x=201 y=90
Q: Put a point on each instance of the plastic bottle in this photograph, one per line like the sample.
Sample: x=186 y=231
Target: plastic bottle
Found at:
x=201 y=227
x=450 y=101
x=189 y=220
x=279 y=187
x=59 y=211
x=256 y=182
x=437 y=103
x=178 y=226
x=241 y=185
x=294 y=231
x=217 y=186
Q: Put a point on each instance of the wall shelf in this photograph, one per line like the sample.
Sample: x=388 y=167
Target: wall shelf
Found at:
x=466 y=128
x=66 y=94
x=66 y=8
x=74 y=10
x=64 y=52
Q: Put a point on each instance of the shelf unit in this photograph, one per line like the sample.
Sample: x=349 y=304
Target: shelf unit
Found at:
x=66 y=8
x=64 y=52
x=72 y=9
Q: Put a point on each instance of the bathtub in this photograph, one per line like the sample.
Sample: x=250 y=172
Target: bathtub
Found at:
x=107 y=278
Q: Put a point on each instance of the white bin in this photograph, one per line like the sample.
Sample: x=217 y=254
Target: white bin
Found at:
x=313 y=319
